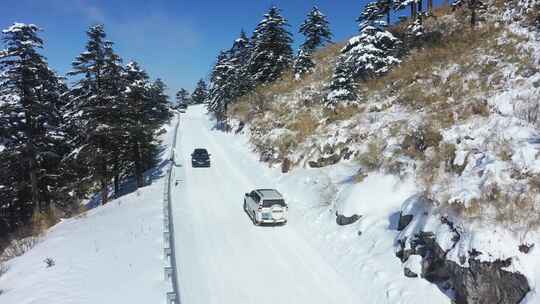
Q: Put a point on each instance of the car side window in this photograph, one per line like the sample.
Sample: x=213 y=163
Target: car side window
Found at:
x=255 y=197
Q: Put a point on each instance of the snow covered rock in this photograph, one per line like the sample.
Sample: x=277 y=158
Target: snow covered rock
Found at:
x=471 y=279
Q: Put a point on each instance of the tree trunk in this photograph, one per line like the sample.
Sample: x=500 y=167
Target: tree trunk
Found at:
x=34 y=183
x=473 y=12
x=413 y=10
x=138 y=165
x=430 y=6
x=104 y=192
x=388 y=18
x=116 y=185
x=420 y=6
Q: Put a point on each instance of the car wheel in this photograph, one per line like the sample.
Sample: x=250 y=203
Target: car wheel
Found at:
x=255 y=221
x=245 y=206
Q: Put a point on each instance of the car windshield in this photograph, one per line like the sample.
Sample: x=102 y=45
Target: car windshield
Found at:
x=270 y=203
x=200 y=151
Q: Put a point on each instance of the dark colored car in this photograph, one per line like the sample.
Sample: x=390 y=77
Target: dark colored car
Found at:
x=200 y=158
x=182 y=107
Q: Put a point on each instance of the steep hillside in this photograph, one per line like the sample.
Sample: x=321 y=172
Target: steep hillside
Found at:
x=459 y=117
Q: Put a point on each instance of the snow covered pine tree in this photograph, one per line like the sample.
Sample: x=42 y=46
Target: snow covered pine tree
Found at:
x=182 y=97
x=31 y=137
x=147 y=110
x=316 y=29
x=229 y=79
x=271 y=52
x=370 y=54
x=93 y=110
x=222 y=88
x=200 y=94
x=239 y=59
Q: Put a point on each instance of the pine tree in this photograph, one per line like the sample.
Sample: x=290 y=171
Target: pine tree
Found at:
x=415 y=32
x=271 y=52
x=140 y=138
x=94 y=112
x=342 y=86
x=371 y=15
x=413 y=4
x=303 y=64
x=182 y=97
x=475 y=7
x=223 y=87
x=316 y=29
x=368 y=55
x=200 y=94
x=156 y=113
x=372 y=53
x=115 y=84
x=31 y=137
x=158 y=108
x=239 y=56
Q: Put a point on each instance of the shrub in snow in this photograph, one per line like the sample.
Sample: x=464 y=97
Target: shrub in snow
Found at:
x=415 y=32
x=3 y=270
x=49 y=262
x=19 y=247
x=418 y=139
x=528 y=109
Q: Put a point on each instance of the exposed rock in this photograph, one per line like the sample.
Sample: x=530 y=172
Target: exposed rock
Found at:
x=480 y=283
x=343 y=220
x=285 y=165
x=528 y=71
x=345 y=153
x=525 y=248
x=404 y=220
x=325 y=161
x=241 y=126
x=409 y=273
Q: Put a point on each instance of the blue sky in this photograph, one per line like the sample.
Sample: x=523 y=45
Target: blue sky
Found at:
x=174 y=40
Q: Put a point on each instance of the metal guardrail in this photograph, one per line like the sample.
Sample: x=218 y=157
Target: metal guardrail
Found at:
x=170 y=270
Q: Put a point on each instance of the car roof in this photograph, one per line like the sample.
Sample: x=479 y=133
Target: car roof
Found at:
x=269 y=194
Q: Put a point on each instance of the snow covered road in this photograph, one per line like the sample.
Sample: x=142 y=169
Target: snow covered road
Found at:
x=222 y=257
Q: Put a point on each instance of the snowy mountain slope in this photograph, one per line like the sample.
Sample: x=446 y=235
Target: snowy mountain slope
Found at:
x=457 y=121
x=110 y=254
x=223 y=258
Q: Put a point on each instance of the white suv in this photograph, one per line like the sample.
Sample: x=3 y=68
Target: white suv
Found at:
x=266 y=206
